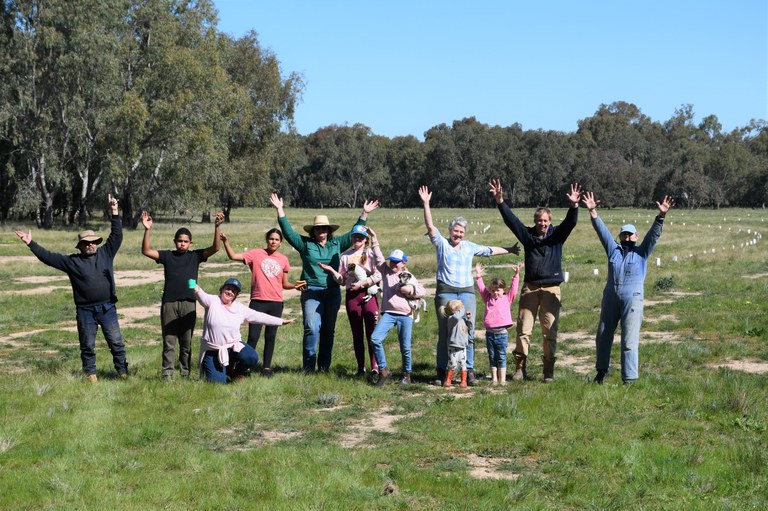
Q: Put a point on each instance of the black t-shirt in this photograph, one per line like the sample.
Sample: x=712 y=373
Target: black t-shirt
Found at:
x=178 y=269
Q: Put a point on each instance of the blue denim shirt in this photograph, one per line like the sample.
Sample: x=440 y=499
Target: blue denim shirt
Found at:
x=627 y=268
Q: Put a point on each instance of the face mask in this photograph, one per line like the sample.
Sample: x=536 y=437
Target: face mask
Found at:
x=627 y=244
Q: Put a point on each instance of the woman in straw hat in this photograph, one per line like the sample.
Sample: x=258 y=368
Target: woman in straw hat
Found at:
x=321 y=298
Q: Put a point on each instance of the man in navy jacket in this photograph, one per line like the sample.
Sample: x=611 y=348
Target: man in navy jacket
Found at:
x=540 y=296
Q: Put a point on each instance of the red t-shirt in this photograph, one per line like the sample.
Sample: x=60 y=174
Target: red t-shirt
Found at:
x=266 y=274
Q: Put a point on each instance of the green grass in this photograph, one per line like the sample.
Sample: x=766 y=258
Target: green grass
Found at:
x=687 y=435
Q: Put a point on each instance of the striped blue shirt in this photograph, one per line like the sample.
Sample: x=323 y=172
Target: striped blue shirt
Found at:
x=454 y=264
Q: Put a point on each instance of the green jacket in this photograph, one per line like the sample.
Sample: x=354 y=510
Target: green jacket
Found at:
x=312 y=253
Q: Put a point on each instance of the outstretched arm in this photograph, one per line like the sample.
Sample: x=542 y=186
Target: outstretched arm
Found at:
x=146 y=221
x=514 y=249
x=228 y=248
x=426 y=195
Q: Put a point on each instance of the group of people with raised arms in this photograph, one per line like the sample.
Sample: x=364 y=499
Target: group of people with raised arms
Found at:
x=355 y=260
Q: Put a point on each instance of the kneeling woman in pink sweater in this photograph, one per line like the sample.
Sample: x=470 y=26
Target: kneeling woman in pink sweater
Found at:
x=221 y=345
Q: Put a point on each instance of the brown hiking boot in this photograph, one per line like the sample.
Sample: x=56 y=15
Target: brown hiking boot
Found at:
x=519 y=374
x=92 y=378
x=384 y=375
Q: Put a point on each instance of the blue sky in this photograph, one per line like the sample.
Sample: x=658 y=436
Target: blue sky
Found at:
x=402 y=67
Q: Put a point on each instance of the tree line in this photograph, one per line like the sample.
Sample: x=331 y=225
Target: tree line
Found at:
x=148 y=101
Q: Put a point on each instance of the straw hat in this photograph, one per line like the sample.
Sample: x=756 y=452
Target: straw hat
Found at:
x=320 y=221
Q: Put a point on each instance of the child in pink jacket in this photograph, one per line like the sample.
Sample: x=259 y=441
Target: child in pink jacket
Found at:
x=395 y=311
x=498 y=318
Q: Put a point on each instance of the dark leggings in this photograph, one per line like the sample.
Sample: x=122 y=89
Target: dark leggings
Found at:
x=270 y=332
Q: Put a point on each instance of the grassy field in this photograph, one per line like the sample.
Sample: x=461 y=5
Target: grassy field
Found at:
x=690 y=434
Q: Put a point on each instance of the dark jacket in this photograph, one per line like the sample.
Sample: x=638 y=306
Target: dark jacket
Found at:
x=543 y=255
x=92 y=277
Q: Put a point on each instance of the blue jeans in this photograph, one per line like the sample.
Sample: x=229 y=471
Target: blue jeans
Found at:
x=404 y=326
x=212 y=370
x=89 y=319
x=470 y=306
x=320 y=306
x=497 y=348
x=628 y=311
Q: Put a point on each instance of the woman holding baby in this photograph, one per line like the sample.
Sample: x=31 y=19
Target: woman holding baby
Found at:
x=360 y=278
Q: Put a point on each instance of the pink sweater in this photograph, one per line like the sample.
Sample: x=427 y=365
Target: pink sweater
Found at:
x=497 y=311
x=392 y=301
x=221 y=326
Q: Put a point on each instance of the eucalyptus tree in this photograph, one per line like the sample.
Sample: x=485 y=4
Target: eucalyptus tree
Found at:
x=345 y=166
x=168 y=138
x=264 y=104
x=59 y=81
x=548 y=167
x=404 y=160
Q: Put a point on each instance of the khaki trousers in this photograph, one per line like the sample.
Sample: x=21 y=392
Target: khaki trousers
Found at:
x=544 y=301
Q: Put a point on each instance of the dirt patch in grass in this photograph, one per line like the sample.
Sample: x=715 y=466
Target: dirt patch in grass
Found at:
x=378 y=420
x=750 y=365
x=262 y=438
x=482 y=467
x=672 y=297
x=755 y=276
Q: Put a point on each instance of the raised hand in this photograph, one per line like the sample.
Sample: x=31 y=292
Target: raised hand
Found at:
x=496 y=190
x=276 y=201
x=589 y=200
x=370 y=206
x=479 y=270
x=146 y=220
x=665 y=205
x=425 y=194
x=219 y=219
x=574 y=194
x=112 y=203
x=24 y=236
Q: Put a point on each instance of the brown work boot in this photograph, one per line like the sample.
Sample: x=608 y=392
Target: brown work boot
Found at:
x=519 y=374
x=92 y=378
x=448 y=378
x=384 y=374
